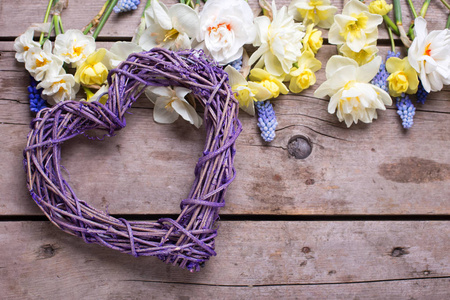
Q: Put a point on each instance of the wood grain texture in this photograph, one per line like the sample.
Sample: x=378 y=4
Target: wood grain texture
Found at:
x=367 y=260
x=368 y=169
x=80 y=12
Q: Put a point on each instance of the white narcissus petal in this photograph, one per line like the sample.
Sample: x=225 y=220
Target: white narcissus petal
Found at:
x=368 y=71
x=123 y=49
x=181 y=92
x=354 y=7
x=161 y=91
x=161 y=14
x=152 y=37
x=160 y=112
x=273 y=65
x=336 y=62
x=184 y=19
x=234 y=77
x=420 y=29
x=187 y=112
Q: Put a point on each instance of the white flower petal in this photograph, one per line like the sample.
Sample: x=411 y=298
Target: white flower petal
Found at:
x=164 y=115
x=184 y=19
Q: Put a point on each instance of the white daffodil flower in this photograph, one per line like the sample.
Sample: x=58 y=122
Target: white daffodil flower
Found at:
x=120 y=51
x=356 y=26
x=23 y=43
x=351 y=94
x=225 y=27
x=247 y=93
x=279 y=42
x=59 y=87
x=317 y=12
x=39 y=62
x=170 y=104
x=74 y=47
x=169 y=28
x=429 y=56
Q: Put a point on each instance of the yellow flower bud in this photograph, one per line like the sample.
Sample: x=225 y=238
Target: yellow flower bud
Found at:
x=312 y=41
x=379 y=7
x=273 y=84
x=92 y=71
x=303 y=81
x=273 y=88
x=398 y=82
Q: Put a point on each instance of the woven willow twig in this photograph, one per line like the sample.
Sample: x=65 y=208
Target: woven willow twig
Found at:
x=187 y=241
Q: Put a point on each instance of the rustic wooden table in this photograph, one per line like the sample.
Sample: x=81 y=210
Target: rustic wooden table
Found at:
x=365 y=216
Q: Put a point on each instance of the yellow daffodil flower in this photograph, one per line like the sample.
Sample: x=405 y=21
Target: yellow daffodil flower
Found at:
x=356 y=26
x=379 y=7
x=93 y=71
x=403 y=78
x=316 y=12
x=365 y=55
x=270 y=82
x=246 y=92
x=312 y=41
x=303 y=76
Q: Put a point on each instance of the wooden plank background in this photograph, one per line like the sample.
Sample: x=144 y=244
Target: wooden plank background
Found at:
x=364 y=216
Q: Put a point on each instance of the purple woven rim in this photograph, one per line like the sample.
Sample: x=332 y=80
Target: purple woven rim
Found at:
x=187 y=241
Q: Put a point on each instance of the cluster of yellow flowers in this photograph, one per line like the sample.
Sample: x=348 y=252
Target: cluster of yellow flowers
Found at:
x=285 y=52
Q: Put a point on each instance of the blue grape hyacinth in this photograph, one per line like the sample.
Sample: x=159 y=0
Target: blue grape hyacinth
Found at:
x=380 y=80
x=35 y=96
x=267 y=121
x=126 y=5
x=406 y=110
x=237 y=64
x=421 y=93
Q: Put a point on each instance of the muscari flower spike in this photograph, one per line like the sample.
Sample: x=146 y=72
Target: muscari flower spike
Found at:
x=37 y=103
x=421 y=93
x=237 y=64
x=406 y=110
x=267 y=121
x=380 y=80
x=126 y=5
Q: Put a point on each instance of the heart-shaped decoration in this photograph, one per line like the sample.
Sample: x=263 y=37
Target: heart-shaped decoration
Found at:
x=187 y=241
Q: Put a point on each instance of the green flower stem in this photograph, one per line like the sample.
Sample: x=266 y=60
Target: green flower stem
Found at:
x=446 y=4
x=104 y=18
x=60 y=24
x=448 y=22
x=56 y=24
x=391 y=24
x=391 y=37
x=47 y=14
x=424 y=8
x=96 y=18
x=411 y=5
x=397 y=12
x=147 y=5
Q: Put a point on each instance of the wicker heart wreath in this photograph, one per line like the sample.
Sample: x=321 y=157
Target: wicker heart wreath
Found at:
x=187 y=241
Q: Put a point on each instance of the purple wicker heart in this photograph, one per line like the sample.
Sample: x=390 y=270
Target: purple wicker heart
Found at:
x=187 y=241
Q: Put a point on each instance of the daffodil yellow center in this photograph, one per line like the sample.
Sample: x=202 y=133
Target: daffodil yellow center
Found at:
x=26 y=48
x=77 y=51
x=169 y=104
x=171 y=35
x=61 y=87
x=353 y=28
x=398 y=82
x=349 y=84
x=305 y=79
x=41 y=63
x=272 y=87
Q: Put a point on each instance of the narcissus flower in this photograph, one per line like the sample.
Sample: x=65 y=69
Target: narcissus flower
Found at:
x=170 y=103
x=317 y=12
x=59 y=87
x=23 y=43
x=403 y=78
x=39 y=62
x=356 y=26
x=366 y=54
x=279 y=42
x=303 y=76
x=225 y=26
x=352 y=96
x=429 y=56
x=169 y=28
x=379 y=7
x=312 y=41
x=74 y=47
x=93 y=71
x=270 y=82
x=247 y=93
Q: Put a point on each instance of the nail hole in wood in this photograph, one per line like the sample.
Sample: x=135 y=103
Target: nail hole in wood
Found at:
x=299 y=146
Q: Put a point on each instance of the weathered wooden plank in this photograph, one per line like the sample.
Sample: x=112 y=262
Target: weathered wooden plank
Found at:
x=80 y=12
x=367 y=169
x=342 y=260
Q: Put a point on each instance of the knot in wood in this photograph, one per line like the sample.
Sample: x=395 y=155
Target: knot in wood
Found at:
x=299 y=147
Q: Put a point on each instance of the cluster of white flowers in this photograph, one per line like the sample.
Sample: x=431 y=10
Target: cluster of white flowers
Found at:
x=71 y=49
